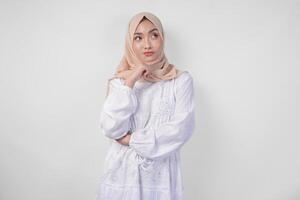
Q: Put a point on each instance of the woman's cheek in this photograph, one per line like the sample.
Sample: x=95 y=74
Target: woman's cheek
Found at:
x=139 y=48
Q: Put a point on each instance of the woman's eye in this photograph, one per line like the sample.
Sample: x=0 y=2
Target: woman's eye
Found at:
x=155 y=35
x=137 y=37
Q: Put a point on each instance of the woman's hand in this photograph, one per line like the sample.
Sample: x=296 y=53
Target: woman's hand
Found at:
x=140 y=72
x=125 y=139
x=137 y=74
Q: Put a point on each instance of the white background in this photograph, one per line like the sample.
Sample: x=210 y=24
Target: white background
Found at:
x=56 y=56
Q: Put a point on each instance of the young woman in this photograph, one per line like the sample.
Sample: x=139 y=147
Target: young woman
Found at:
x=148 y=114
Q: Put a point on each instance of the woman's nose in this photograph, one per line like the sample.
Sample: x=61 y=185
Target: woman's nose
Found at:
x=147 y=44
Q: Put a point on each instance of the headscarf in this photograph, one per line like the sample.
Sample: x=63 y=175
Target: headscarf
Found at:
x=159 y=69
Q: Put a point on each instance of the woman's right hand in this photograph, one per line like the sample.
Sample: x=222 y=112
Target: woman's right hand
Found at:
x=137 y=74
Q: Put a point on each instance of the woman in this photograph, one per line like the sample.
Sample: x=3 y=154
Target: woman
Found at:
x=148 y=114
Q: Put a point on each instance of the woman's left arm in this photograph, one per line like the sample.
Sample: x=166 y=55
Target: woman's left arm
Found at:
x=171 y=135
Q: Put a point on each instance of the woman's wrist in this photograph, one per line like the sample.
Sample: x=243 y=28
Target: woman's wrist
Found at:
x=130 y=81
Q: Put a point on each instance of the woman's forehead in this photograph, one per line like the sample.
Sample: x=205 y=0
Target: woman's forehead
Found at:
x=145 y=27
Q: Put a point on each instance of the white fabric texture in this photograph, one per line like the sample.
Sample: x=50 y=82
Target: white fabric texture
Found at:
x=161 y=117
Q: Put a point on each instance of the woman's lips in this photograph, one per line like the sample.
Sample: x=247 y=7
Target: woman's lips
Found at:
x=150 y=53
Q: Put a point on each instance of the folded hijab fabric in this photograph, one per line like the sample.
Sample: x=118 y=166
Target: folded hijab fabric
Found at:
x=159 y=69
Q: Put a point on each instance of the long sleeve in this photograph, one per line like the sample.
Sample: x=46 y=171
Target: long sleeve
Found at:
x=169 y=136
x=118 y=106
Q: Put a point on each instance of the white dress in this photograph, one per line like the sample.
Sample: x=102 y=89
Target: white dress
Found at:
x=161 y=118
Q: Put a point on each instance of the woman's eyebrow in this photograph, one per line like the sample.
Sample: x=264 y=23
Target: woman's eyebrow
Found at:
x=137 y=33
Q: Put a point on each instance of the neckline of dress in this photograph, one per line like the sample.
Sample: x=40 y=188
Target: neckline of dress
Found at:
x=142 y=84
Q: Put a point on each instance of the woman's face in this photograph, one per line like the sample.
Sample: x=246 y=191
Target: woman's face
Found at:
x=147 y=39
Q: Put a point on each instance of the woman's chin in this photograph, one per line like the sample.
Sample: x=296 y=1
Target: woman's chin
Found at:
x=149 y=59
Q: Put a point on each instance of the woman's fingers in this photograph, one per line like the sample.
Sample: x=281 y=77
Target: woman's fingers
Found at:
x=146 y=72
x=139 y=73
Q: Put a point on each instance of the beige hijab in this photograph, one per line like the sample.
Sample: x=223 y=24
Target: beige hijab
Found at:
x=159 y=69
